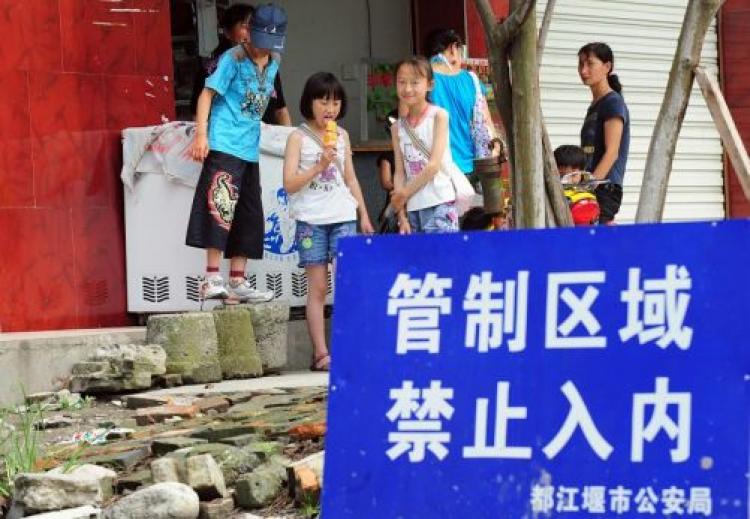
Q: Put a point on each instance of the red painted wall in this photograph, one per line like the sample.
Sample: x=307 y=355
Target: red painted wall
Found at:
x=735 y=72
x=430 y=15
x=73 y=73
x=475 y=39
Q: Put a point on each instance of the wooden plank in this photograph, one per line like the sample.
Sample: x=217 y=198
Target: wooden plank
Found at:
x=727 y=129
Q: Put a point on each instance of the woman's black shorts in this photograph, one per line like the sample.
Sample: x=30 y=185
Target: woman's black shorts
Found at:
x=609 y=197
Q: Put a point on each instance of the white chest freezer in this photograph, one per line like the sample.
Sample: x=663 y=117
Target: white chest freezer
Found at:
x=160 y=179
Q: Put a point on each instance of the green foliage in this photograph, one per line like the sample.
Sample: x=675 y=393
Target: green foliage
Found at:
x=74 y=459
x=381 y=90
x=309 y=506
x=69 y=403
x=19 y=444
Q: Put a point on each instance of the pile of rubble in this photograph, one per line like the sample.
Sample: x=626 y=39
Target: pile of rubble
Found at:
x=188 y=457
x=183 y=456
x=119 y=367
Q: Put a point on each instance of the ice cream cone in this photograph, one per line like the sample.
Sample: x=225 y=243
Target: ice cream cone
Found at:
x=331 y=134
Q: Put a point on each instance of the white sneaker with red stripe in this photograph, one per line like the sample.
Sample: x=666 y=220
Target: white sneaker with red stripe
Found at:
x=243 y=292
x=214 y=287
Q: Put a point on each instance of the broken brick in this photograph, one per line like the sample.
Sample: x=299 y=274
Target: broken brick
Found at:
x=216 y=403
x=308 y=431
x=152 y=415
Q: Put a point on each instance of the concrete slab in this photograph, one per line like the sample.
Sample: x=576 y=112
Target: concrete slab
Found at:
x=130 y=331
x=293 y=379
x=42 y=361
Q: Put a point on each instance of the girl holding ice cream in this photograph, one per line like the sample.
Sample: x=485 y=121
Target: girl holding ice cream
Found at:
x=324 y=195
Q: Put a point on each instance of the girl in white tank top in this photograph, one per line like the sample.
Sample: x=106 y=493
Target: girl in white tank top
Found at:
x=424 y=195
x=325 y=199
x=324 y=196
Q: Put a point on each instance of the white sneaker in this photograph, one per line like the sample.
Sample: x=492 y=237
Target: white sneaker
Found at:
x=244 y=293
x=213 y=287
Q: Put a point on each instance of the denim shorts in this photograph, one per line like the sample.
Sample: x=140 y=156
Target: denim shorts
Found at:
x=318 y=244
x=438 y=218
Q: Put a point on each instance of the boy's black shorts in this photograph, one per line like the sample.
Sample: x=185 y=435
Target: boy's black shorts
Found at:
x=609 y=197
x=227 y=212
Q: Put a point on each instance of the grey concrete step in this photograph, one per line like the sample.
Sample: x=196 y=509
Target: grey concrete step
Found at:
x=32 y=362
x=41 y=361
x=283 y=380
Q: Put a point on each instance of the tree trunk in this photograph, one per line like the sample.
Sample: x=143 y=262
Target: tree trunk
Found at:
x=730 y=137
x=499 y=37
x=698 y=17
x=557 y=206
x=549 y=214
x=498 y=58
x=503 y=101
x=527 y=125
x=544 y=29
x=553 y=188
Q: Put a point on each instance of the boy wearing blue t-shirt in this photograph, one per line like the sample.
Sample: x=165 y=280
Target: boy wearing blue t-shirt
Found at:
x=227 y=212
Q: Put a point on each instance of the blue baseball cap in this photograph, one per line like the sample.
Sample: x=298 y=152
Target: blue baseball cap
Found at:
x=268 y=28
